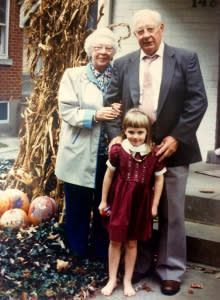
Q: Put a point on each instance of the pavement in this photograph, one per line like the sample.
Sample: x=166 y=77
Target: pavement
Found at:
x=8 y=147
x=199 y=186
x=149 y=288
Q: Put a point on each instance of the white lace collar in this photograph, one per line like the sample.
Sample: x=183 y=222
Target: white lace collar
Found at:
x=142 y=149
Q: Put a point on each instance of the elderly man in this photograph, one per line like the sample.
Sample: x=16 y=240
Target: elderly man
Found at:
x=167 y=83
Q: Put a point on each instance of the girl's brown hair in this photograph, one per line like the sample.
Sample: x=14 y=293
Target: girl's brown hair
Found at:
x=137 y=118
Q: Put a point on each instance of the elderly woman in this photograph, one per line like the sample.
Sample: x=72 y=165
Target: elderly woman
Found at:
x=82 y=153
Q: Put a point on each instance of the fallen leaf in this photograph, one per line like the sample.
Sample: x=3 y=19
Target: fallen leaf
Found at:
x=33 y=296
x=21 y=259
x=26 y=274
x=49 y=293
x=19 y=236
x=146 y=288
x=3 y=271
x=209 y=271
x=52 y=236
x=12 y=261
x=62 y=265
x=190 y=292
x=71 y=284
x=196 y=286
x=56 y=225
x=61 y=243
x=91 y=289
x=29 y=230
x=47 y=266
x=80 y=270
x=18 y=283
x=23 y=296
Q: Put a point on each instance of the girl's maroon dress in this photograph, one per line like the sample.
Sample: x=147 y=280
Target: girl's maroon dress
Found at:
x=131 y=195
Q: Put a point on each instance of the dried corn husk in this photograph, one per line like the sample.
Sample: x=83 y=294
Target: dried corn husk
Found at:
x=54 y=34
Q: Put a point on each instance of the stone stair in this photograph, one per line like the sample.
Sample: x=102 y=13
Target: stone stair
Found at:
x=202 y=215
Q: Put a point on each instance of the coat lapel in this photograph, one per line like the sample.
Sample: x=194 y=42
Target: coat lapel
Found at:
x=167 y=75
x=133 y=78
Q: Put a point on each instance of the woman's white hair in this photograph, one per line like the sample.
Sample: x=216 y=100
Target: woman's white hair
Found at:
x=99 y=33
x=146 y=13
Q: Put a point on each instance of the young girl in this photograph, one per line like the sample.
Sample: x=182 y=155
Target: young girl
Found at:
x=132 y=188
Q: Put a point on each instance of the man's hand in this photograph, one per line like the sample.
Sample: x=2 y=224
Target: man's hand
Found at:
x=115 y=140
x=117 y=107
x=167 y=147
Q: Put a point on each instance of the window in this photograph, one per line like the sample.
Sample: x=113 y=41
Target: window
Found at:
x=4 y=24
x=4 y=112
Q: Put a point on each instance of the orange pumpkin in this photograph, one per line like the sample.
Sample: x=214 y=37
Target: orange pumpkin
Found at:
x=41 y=209
x=18 y=199
x=15 y=217
x=5 y=202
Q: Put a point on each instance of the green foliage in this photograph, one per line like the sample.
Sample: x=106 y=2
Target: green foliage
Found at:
x=28 y=264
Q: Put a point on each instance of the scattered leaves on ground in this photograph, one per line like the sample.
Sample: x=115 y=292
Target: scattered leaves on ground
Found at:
x=146 y=288
x=143 y=286
x=36 y=263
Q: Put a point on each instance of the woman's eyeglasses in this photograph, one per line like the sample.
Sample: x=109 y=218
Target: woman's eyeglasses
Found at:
x=99 y=48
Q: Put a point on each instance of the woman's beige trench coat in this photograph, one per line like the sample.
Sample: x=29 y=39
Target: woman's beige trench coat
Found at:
x=78 y=98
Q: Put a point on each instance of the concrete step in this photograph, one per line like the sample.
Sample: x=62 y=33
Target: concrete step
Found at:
x=203 y=195
x=212 y=158
x=203 y=243
x=202 y=210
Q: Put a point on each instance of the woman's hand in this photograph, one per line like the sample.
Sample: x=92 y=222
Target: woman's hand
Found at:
x=108 y=112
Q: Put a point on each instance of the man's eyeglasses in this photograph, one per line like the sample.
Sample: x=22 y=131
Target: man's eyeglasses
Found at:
x=108 y=49
x=150 y=30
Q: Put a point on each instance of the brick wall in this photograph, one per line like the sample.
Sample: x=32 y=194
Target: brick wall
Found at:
x=11 y=75
x=196 y=29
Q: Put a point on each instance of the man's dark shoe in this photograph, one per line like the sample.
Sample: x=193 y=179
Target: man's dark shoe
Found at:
x=170 y=287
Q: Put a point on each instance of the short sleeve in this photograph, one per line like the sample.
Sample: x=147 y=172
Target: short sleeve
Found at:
x=161 y=170
x=113 y=160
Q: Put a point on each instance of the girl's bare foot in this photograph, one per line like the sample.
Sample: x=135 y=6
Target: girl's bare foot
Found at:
x=109 y=287
x=128 y=289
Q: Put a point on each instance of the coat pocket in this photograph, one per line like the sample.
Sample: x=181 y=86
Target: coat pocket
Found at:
x=76 y=135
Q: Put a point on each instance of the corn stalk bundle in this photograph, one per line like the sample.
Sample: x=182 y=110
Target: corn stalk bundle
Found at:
x=55 y=35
